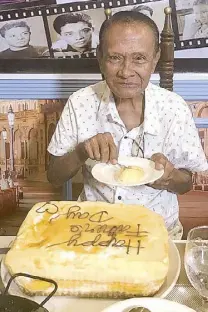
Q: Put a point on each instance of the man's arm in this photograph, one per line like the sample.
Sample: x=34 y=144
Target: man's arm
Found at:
x=63 y=168
x=177 y=181
x=101 y=147
x=183 y=149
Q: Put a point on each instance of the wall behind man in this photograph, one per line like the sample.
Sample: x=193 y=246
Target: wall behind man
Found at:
x=39 y=88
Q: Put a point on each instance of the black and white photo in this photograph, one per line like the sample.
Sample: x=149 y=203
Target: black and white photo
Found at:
x=23 y=38
x=70 y=29
x=192 y=19
x=75 y=33
x=154 y=10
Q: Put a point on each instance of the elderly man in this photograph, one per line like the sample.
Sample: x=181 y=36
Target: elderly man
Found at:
x=127 y=115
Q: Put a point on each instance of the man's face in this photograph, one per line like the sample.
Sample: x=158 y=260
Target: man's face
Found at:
x=77 y=35
x=17 y=37
x=201 y=13
x=128 y=58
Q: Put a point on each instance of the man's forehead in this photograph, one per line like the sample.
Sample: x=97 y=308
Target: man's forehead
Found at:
x=128 y=25
x=73 y=26
x=135 y=30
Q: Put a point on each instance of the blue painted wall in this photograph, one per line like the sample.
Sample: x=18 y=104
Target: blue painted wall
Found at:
x=190 y=90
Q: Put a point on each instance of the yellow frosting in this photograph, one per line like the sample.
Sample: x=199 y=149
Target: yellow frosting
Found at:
x=91 y=249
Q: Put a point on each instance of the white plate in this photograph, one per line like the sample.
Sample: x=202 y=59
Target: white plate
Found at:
x=106 y=173
x=173 y=272
x=66 y=303
x=153 y=304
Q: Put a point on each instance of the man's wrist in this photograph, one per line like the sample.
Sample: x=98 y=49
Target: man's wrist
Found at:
x=81 y=152
x=180 y=181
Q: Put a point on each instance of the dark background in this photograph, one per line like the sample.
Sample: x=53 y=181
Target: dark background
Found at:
x=71 y=66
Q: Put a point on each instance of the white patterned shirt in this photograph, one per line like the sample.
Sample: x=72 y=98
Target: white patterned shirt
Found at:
x=168 y=128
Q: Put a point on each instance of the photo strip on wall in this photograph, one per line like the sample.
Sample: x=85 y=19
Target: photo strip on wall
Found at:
x=68 y=29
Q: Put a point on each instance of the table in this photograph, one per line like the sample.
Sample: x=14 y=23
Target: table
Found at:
x=183 y=292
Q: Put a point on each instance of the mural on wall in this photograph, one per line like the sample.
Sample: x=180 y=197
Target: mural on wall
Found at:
x=26 y=127
x=70 y=29
x=25 y=136
x=200 y=110
x=34 y=124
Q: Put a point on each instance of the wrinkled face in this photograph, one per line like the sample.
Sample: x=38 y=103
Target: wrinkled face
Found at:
x=128 y=58
x=77 y=35
x=201 y=13
x=17 y=37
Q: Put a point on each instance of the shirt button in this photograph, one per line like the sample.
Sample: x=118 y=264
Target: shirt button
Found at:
x=119 y=197
x=125 y=137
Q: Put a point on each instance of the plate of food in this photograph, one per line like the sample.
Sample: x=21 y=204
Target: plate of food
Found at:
x=149 y=305
x=130 y=171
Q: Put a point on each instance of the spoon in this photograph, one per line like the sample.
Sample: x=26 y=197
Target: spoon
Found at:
x=137 y=309
x=122 y=166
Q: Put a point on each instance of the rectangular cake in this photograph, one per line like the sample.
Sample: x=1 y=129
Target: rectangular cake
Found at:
x=91 y=249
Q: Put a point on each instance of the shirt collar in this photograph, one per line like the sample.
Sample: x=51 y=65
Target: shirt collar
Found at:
x=108 y=108
x=151 y=115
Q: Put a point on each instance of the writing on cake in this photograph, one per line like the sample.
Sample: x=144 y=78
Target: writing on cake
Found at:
x=103 y=233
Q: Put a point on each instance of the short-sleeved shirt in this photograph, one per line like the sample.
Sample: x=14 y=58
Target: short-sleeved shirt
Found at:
x=168 y=128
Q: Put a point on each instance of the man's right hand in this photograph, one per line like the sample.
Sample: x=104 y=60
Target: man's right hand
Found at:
x=102 y=148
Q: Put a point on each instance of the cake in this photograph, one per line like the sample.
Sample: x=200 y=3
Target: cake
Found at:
x=130 y=174
x=91 y=249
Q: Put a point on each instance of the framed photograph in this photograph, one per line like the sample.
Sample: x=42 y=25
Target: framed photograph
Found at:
x=153 y=9
x=34 y=124
x=23 y=38
x=76 y=33
x=190 y=21
x=63 y=29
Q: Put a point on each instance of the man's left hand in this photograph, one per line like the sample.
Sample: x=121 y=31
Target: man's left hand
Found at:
x=161 y=162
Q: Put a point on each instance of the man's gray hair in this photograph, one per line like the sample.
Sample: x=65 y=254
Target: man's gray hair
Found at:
x=129 y=17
